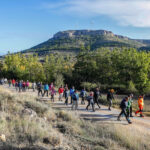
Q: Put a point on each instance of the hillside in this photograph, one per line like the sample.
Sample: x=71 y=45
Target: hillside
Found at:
x=30 y=124
x=75 y=40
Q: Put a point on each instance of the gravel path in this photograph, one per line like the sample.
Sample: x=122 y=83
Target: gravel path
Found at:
x=102 y=115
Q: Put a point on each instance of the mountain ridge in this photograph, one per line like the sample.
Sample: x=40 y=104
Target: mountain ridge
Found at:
x=74 y=40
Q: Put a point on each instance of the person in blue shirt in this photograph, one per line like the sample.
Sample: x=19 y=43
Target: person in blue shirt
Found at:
x=20 y=86
x=46 y=88
x=75 y=98
x=71 y=93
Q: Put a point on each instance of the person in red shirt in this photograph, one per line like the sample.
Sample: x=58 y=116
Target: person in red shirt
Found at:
x=13 y=82
x=61 y=91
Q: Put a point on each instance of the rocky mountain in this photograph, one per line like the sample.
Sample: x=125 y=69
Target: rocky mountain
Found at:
x=75 y=40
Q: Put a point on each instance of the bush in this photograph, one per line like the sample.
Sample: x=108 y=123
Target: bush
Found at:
x=131 y=87
x=69 y=128
x=38 y=107
x=64 y=115
x=59 y=80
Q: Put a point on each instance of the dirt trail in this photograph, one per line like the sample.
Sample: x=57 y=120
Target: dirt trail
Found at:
x=102 y=115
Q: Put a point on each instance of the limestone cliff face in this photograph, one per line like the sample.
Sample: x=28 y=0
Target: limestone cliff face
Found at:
x=74 y=33
x=72 y=40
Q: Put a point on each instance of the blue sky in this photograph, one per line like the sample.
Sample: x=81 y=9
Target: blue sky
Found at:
x=26 y=23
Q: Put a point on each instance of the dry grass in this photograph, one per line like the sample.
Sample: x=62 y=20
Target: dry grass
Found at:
x=54 y=129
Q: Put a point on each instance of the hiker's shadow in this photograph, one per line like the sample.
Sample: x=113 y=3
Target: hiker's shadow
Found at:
x=105 y=119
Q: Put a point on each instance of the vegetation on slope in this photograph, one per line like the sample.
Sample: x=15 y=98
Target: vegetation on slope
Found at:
x=31 y=124
x=75 y=41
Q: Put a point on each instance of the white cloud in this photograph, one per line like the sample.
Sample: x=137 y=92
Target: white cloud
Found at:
x=126 y=12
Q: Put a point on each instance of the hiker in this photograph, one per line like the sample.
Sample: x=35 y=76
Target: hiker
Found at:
x=20 y=86
x=75 y=99
x=33 y=86
x=97 y=94
x=27 y=85
x=123 y=107
x=51 y=86
x=129 y=106
x=90 y=100
x=60 y=91
x=46 y=88
x=53 y=93
x=140 y=104
x=23 y=86
x=39 y=88
x=5 y=80
x=83 y=96
x=1 y=81
x=66 y=86
x=66 y=95
x=72 y=90
x=16 y=86
x=13 y=82
x=9 y=82
x=110 y=97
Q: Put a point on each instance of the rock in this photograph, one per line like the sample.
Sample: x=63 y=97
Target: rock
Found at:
x=74 y=33
x=3 y=138
x=30 y=112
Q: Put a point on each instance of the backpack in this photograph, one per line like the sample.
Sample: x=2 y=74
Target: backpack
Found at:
x=74 y=97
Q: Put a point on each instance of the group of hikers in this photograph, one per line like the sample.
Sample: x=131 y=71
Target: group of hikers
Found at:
x=21 y=85
x=93 y=97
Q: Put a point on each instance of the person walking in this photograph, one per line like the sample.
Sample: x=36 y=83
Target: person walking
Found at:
x=110 y=97
x=51 y=86
x=90 y=100
x=83 y=96
x=33 y=86
x=75 y=98
x=5 y=80
x=16 y=86
x=9 y=82
x=141 y=105
x=13 y=82
x=66 y=86
x=20 y=86
x=129 y=106
x=23 y=86
x=72 y=90
x=97 y=94
x=39 y=88
x=46 y=88
x=27 y=85
x=60 y=91
x=53 y=93
x=66 y=95
x=123 y=107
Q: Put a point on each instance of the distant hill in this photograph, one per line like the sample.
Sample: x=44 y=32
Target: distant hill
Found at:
x=75 y=40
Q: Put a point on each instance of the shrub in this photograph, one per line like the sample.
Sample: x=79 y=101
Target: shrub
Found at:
x=131 y=87
x=69 y=128
x=38 y=107
x=64 y=115
x=59 y=80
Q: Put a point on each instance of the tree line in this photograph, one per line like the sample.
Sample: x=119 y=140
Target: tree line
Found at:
x=124 y=69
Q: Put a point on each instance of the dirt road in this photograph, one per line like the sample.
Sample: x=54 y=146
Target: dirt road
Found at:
x=102 y=115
